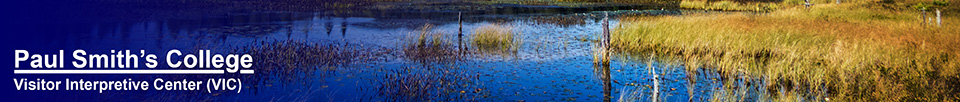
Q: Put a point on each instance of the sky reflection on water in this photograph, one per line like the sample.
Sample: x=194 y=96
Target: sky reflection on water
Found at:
x=553 y=62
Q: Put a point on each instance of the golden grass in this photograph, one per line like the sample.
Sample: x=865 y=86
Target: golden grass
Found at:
x=856 y=52
x=495 y=36
x=573 y=3
x=728 y=5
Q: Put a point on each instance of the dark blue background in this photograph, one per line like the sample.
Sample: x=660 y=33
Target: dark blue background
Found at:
x=45 y=26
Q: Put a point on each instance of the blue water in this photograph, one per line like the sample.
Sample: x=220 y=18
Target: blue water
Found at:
x=553 y=63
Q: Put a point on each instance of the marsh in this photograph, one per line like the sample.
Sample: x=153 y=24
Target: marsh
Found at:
x=526 y=50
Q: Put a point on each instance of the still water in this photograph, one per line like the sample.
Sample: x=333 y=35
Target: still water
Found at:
x=362 y=58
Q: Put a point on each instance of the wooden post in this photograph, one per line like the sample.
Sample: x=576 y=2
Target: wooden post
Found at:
x=606 y=39
x=460 y=23
x=939 y=22
x=606 y=31
x=602 y=56
x=838 y=1
x=924 y=16
x=460 y=32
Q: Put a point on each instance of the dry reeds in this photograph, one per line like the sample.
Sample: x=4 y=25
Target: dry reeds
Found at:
x=857 y=53
x=428 y=46
x=495 y=36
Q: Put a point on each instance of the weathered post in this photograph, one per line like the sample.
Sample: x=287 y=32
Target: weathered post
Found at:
x=924 y=16
x=606 y=39
x=460 y=32
x=606 y=30
x=601 y=56
x=838 y=1
x=939 y=22
x=460 y=23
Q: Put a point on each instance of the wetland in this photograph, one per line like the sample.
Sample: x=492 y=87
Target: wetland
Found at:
x=526 y=50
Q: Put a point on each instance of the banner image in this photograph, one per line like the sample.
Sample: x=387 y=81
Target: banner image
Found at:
x=479 y=50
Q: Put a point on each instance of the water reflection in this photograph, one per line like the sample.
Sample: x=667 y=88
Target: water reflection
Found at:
x=343 y=27
x=603 y=72
x=329 y=27
x=385 y=59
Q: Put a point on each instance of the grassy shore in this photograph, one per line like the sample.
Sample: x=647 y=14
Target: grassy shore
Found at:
x=729 y=5
x=857 y=51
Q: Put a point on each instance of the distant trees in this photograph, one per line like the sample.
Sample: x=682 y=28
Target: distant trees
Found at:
x=739 y=1
x=623 y=1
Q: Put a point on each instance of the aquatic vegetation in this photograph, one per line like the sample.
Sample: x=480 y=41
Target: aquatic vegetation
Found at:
x=495 y=36
x=411 y=83
x=290 y=54
x=284 y=63
x=630 y=94
x=841 y=52
x=291 y=62
x=429 y=46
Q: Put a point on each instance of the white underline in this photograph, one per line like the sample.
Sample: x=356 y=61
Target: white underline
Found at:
x=246 y=71
x=126 y=71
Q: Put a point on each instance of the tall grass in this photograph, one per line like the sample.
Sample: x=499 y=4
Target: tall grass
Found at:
x=495 y=36
x=856 y=52
x=428 y=46
x=729 y=5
